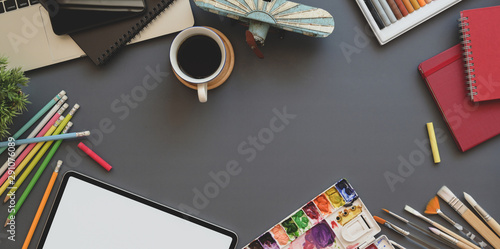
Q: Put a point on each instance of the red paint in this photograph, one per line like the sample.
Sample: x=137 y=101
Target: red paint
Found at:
x=334 y=225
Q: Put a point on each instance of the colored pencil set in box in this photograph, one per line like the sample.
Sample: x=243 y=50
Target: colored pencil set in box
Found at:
x=391 y=18
x=337 y=218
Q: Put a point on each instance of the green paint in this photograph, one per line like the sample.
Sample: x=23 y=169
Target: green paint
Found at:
x=301 y=220
x=291 y=228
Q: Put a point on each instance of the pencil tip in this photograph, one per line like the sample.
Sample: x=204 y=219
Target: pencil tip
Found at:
x=6 y=222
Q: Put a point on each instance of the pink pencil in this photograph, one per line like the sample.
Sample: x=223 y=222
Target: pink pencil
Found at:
x=28 y=149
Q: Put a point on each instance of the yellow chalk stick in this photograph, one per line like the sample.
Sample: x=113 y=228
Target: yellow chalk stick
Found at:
x=434 y=146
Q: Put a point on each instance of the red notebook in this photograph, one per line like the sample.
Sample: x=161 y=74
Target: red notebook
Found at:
x=470 y=123
x=480 y=30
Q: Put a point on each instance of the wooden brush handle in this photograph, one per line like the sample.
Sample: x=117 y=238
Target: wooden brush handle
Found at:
x=494 y=225
x=462 y=245
x=456 y=236
x=481 y=228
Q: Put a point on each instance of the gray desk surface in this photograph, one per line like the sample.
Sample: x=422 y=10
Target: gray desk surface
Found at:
x=355 y=117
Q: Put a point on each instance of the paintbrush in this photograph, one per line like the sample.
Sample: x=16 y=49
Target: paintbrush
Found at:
x=422 y=230
x=452 y=240
x=397 y=245
x=434 y=208
x=442 y=228
x=450 y=198
x=404 y=233
x=486 y=217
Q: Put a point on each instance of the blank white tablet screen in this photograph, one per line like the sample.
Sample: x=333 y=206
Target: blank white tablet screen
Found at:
x=92 y=217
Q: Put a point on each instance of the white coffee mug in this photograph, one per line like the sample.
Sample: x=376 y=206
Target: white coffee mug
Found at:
x=174 y=49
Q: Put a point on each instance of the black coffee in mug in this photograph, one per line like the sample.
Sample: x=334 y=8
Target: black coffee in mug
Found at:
x=199 y=56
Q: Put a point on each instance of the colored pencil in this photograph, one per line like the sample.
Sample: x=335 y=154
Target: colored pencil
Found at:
x=404 y=233
x=422 y=230
x=25 y=194
x=9 y=175
x=42 y=205
x=49 y=138
x=36 y=132
x=486 y=217
x=433 y=207
x=36 y=117
x=450 y=198
x=19 y=181
x=452 y=240
x=20 y=159
x=94 y=156
x=442 y=228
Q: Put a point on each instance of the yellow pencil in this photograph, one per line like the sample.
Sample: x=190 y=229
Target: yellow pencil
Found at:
x=39 y=156
x=42 y=205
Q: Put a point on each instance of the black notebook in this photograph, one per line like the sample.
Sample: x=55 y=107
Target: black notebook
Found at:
x=102 y=42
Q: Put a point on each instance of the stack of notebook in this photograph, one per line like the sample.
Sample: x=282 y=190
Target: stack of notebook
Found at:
x=101 y=28
x=465 y=81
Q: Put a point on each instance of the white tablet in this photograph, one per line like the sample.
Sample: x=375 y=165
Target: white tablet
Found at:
x=88 y=213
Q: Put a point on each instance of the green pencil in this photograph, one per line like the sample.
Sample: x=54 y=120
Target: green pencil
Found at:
x=40 y=113
x=37 y=175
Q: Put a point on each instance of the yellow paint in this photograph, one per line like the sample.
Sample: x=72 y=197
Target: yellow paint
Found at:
x=335 y=198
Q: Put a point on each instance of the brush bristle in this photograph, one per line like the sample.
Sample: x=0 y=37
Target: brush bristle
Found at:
x=470 y=200
x=412 y=211
x=434 y=230
x=379 y=220
x=445 y=194
x=432 y=206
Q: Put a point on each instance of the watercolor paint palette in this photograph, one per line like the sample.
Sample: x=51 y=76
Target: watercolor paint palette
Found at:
x=391 y=18
x=335 y=219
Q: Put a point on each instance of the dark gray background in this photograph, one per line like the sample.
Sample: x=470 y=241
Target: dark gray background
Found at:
x=356 y=117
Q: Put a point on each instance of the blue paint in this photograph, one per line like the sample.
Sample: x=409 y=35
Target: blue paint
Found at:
x=346 y=191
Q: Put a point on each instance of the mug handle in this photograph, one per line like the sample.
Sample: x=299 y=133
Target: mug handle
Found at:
x=202 y=92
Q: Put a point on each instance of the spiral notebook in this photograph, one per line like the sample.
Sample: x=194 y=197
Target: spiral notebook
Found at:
x=470 y=123
x=102 y=42
x=481 y=37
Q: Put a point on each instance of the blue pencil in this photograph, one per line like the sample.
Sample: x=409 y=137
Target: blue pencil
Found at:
x=47 y=138
x=40 y=113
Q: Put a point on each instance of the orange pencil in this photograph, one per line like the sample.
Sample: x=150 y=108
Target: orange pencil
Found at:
x=422 y=3
x=42 y=205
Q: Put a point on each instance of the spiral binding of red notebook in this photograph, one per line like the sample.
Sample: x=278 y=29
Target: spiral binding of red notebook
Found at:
x=470 y=123
x=481 y=38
